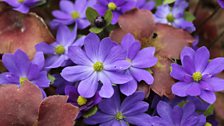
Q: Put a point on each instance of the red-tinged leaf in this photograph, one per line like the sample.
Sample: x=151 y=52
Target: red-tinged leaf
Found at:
x=138 y=22
x=170 y=41
x=54 y=111
x=22 y=31
x=19 y=106
x=162 y=80
x=117 y=35
x=24 y=107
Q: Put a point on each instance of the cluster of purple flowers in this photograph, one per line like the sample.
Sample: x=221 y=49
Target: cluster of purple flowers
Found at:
x=174 y=15
x=101 y=76
x=197 y=75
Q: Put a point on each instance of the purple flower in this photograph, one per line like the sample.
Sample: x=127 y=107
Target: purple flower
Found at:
x=197 y=75
x=84 y=104
x=179 y=116
x=99 y=61
x=71 y=13
x=57 y=52
x=174 y=16
x=144 y=4
x=221 y=3
x=60 y=83
x=114 y=113
x=22 y=6
x=139 y=60
x=20 y=69
x=118 y=7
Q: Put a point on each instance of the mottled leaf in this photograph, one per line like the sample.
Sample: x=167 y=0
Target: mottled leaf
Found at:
x=22 y=31
x=138 y=22
x=19 y=106
x=23 y=106
x=162 y=80
x=170 y=41
x=54 y=111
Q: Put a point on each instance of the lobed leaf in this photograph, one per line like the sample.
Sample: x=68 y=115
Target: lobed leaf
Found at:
x=23 y=106
x=19 y=31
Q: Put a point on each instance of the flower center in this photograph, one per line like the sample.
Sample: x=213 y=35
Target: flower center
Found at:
x=22 y=80
x=60 y=49
x=21 y=1
x=98 y=66
x=112 y=6
x=119 y=116
x=75 y=14
x=170 y=17
x=129 y=60
x=197 y=76
x=81 y=101
x=208 y=124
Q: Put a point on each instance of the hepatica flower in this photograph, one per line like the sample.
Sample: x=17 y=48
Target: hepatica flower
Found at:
x=71 y=13
x=174 y=16
x=117 y=7
x=221 y=3
x=98 y=61
x=114 y=113
x=84 y=104
x=179 y=116
x=22 y=6
x=57 y=52
x=139 y=60
x=20 y=69
x=197 y=75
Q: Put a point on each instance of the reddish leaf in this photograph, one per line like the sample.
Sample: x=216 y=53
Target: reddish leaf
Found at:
x=138 y=22
x=54 y=111
x=162 y=80
x=22 y=31
x=19 y=106
x=170 y=41
x=24 y=107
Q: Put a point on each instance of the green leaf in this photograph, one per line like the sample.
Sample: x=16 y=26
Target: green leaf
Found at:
x=189 y=16
x=51 y=78
x=168 y=1
x=209 y=111
x=181 y=104
x=108 y=17
x=159 y=2
x=91 y=14
x=91 y=112
x=96 y=30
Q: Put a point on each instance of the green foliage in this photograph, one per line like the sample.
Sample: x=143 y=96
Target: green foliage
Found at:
x=51 y=78
x=168 y=1
x=91 y=112
x=159 y=2
x=189 y=16
x=91 y=15
x=209 y=111
x=108 y=17
x=96 y=30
